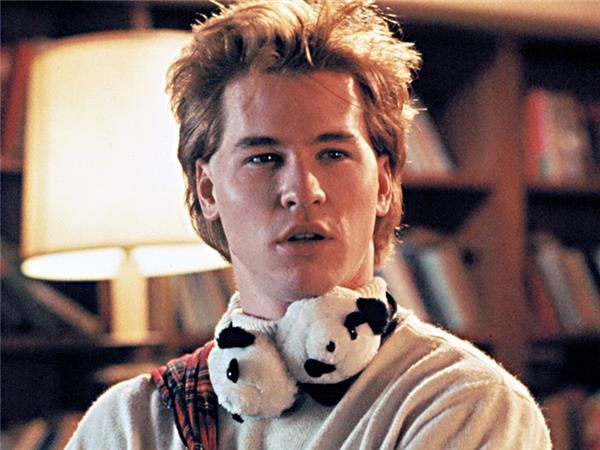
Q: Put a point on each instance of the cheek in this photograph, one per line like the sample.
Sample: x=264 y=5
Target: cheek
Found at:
x=361 y=201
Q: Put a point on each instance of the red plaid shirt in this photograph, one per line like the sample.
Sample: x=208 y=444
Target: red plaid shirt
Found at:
x=185 y=388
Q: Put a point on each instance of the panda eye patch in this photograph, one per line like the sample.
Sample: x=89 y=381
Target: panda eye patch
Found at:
x=233 y=371
x=353 y=320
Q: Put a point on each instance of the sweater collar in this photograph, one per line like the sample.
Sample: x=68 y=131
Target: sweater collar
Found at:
x=235 y=315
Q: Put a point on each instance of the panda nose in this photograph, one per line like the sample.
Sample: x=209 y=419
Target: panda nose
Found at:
x=330 y=347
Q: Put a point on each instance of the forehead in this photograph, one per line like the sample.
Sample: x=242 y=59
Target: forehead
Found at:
x=307 y=102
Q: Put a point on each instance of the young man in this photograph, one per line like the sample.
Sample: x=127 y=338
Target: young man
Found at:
x=293 y=118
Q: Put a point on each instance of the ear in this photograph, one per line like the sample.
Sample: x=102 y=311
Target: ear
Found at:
x=232 y=337
x=375 y=312
x=384 y=194
x=205 y=191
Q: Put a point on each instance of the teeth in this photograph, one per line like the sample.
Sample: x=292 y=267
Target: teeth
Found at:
x=305 y=237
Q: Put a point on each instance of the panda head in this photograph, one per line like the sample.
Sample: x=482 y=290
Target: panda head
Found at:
x=329 y=339
x=248 y=375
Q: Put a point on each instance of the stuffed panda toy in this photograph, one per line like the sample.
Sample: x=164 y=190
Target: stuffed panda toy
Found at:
x=318 y=347
x=245 y=368
x=249 y=376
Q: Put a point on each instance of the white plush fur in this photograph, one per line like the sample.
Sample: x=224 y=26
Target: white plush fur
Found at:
x=310 y=325
x=264 y=387
x=270 y=367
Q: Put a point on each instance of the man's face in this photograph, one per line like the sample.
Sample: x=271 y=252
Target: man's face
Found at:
x=297 y=187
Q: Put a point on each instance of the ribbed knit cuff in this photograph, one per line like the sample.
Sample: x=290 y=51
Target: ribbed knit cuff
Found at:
x=376 y=288
x=236 y=316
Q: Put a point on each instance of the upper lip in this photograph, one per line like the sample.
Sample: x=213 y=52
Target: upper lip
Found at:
x=311 y=228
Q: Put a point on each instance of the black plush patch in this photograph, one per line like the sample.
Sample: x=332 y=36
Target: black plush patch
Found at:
x=328 y=394
x=232 y=337
x=317 y=368
x=393 y=322
x=375 y=313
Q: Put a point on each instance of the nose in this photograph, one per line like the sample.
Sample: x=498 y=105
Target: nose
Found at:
x=300 y=187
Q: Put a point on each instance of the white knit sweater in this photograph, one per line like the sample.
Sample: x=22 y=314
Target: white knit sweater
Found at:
x=425 y=389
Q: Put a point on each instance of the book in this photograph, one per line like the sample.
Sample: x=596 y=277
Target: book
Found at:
x=41 y=433
x=445 y=285
x=544 y=314
x=537 y=118
x=410 y=252
x=442 y=295
x=557 y=140
x=402 y=286
x=426 y=152
x=569 y=281
x=548 y=255
x=33 y=435
x=591 y=422
x=189 y=304
x=162 y=305
x=584 y=292
x=593 y=126
x=564 y=412
x=13 y=119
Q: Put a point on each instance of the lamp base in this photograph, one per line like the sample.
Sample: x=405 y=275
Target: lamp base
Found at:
x=129 y=302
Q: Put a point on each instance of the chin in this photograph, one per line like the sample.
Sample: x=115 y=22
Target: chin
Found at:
x=308 y=286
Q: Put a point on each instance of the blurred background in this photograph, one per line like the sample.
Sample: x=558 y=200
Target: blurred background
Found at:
x=500 y=239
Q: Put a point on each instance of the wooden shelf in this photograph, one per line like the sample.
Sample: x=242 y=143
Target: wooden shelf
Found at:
x=580 y=20
x=37 y=344
x=443 y=202
x=11 y=166
x=578 y=188
x=587 y=337
x=456 y=182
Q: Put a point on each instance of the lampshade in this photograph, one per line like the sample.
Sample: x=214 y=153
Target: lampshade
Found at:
x=102 y=185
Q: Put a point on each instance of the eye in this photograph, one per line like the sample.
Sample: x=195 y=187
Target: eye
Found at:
x=353 y=333
x=334 y=154
x=233 y=371
x=264 y=158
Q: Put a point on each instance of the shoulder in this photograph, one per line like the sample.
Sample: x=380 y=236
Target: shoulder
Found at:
x=449 y=390
x=131 y=414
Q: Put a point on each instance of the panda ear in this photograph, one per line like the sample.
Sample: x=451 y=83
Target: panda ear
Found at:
x=231 y=337
x=375 y=313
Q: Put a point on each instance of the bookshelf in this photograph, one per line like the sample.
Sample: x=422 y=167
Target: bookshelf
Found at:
x=479 y=66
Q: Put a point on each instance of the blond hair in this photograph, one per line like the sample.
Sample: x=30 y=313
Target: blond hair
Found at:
x=291 y=37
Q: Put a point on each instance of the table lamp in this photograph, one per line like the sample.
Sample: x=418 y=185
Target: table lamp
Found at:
x=103 y=195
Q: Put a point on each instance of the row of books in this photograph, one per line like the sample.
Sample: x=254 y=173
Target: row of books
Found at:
x=189 y=304
x=40 y=433
x=433 y=279
x=562 y=136
x=426 y=154
x=15 y=62
x=563 y=286
x=573 y=417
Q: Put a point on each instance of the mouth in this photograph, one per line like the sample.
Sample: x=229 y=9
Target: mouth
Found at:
x=306 y=237
x=316 y=368
x=304 y=233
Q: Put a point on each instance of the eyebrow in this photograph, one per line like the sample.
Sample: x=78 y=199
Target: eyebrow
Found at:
x=269 y=141
x=339 y=136
x=257 y=141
